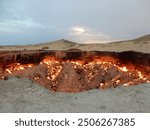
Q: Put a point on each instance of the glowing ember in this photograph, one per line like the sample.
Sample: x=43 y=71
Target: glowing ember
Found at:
x=124 y=69
x=18 y=67
x=36 y=78
x=9 y=71
x=48 y=77
x=30 y=65
x=126 y=84
x=118 y=81
x=101 y=84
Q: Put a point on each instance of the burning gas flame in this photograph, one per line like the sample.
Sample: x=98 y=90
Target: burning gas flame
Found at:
x=123 y=69
x=18 y=67
x=55 y=66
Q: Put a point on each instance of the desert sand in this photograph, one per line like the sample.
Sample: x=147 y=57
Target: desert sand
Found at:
x=141 y=44
x=22 y=95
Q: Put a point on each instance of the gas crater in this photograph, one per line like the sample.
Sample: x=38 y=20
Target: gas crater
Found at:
x=74 y=71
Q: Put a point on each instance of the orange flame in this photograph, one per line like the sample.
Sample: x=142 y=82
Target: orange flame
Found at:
x=55 y=67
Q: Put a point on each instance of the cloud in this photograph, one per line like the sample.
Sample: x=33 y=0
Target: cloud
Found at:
x=78 y=30
x=86 y=35
x=17 y=25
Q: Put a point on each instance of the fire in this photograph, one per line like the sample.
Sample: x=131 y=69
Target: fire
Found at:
x=30 y=65
x=36 y=77
x=90 y=71
x=54 y=72
x=126 y=84
x=124 y=69
x=9 y=71
x=77 y=62
x=18 y=67
x=49 y=61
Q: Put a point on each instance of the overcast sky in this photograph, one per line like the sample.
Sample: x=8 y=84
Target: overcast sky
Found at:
x=36 y=21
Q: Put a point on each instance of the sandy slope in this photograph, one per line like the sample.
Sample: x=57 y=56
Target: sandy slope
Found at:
x=141 y=44
x=21 y=95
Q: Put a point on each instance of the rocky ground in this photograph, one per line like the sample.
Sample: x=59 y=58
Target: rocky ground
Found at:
x=22 y=95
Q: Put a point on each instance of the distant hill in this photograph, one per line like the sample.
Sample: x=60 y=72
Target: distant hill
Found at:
x=144 y=38
x=141 y=44
x=60 y=44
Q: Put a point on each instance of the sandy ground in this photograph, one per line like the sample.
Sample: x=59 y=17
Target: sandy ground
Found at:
x=140 y=45
x=22 y=95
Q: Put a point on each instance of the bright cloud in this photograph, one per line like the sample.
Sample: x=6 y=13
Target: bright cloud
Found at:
x=78 y=30
x=86 y=35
